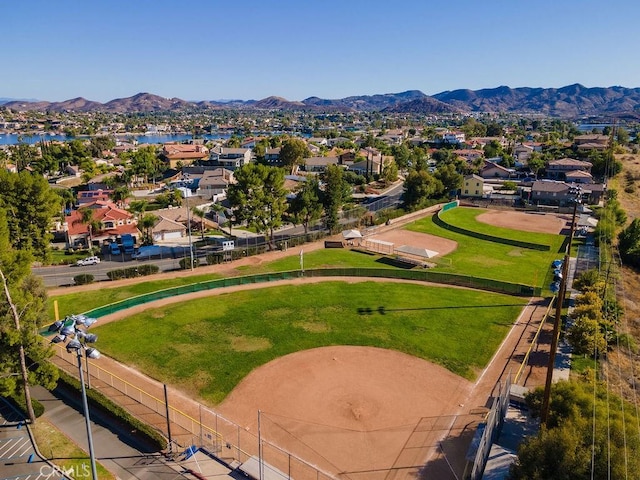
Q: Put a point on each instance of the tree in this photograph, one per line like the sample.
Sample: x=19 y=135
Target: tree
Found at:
x=493 y=149
x=419 y=187
x=21 y=313
x=586 y=337
x=293 y=151
x=536 y=163
x=622 y=136
x=144 y=162
x=147 y=222
x=120 y=194
x=93 y=225
x=389 y=171
x=306 y=208
x=258 y=197
x=449 y=177
x=23 y=155
x=30 y=205
x=402 y=155
x=335 y=194
x=629 y=243
x=570 y=448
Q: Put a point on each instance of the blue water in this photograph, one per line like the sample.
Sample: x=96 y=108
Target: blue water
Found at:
x=14 y=139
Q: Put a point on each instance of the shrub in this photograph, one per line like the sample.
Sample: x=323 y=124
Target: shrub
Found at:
x=184 y=263
x=144 y=270
x=83 y=279
x=18 y=401
x=214 y=258
x=98 y=400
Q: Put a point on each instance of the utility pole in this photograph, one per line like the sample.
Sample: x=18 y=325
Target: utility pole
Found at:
x=546 y=399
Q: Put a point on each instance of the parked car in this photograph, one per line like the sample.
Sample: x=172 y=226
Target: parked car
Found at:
x=88 y=261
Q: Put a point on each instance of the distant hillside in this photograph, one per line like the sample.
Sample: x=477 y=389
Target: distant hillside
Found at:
x=568 y=102
x=424 y=106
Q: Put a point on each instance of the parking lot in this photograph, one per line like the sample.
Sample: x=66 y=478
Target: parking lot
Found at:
x=18 y=459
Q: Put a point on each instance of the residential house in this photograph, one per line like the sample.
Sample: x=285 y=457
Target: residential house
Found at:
x=579 y=176
x=215 y=183
x=185 y=154
x=473 y=186
x=166 y=229
x=113 y=222
x=551 y=193
x=547 y=192
x=318 y=164
x=587 y=143
x=272 y=156
x=469 y=154
x=347 y=158
x=249 y=142
x=320 y=141
x=90 y=196
x=332 y=142
x=558 y=169
x=230 y=158
x=454 y=138
x=393 y=137
x=368 y=166
x=494 y=170
x=73 y=170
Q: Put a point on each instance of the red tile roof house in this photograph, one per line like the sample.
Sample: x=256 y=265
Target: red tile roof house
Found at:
x=113 y=223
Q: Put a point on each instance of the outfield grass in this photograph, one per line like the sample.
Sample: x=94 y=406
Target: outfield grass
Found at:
x=206 y=346
x=485 y=259
x=84 y=301
x=466 y=218
x=333 y=257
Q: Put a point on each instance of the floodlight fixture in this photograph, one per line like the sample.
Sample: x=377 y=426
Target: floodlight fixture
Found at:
x=93 y=353
x=68 y=330
x=58 y=338
x=55 y=326
x=74 y=346
x=90 y=338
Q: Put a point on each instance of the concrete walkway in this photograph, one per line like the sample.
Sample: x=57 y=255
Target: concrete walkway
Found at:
x=115 y=448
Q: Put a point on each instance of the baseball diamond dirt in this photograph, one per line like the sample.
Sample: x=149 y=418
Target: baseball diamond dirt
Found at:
x=359 y=412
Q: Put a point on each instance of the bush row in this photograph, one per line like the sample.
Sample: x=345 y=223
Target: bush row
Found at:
x=83 y=279
x=133 y=272
x=99 y=401
x=18 y=401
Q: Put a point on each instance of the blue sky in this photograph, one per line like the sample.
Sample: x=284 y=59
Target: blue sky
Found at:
x=246 y=49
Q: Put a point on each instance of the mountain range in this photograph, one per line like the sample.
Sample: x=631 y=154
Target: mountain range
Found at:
x=571 y=101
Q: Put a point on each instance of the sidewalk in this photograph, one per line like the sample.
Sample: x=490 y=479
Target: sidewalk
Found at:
x=115 y=448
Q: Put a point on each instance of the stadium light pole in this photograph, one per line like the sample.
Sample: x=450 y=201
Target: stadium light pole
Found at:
x=78 y=345
x=546 y=399
x=187 y=194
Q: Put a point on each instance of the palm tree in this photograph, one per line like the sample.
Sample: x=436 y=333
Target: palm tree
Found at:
x=92 y=224
x=200 y=214
x=147 y=222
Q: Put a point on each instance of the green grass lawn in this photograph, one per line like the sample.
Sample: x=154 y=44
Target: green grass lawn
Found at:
x=332 y=257
x=466 y=218
x=492 y=260
x=206 y=346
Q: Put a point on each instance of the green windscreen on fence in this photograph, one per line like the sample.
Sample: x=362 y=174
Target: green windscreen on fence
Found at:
x=414 y=275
